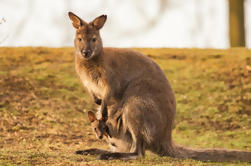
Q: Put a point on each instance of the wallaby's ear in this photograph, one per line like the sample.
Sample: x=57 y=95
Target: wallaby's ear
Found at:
x=91 y=116
x=76 y=21
x=99 y=22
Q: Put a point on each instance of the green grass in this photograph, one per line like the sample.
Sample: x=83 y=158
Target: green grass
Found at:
x=42 y=105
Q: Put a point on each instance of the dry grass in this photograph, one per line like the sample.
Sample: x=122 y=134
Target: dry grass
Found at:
x=42 y=102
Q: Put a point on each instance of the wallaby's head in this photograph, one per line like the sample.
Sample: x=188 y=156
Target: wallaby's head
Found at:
x=99 y=126
x=88 y=43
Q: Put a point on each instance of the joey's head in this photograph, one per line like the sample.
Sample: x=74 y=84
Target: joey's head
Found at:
x=99 y=126
x=88 y=43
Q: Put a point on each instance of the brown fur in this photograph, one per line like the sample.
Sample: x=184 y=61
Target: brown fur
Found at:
x=139 y=98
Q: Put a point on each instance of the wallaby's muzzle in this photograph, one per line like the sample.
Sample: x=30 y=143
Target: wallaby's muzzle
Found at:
x=86 y=53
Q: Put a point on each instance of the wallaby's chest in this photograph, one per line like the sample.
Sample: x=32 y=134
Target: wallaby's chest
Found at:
x=93 y=80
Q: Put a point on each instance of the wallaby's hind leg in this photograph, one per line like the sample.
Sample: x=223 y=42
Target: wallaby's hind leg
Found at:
x=140 y=148
x=92 y=151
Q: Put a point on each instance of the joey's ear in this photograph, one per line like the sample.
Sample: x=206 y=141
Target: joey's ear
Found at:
x=99 y=22
x=76 y=21
x=91 y=116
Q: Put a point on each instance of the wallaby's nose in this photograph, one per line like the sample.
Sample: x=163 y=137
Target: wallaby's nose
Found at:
x=86 y=53
x=100 y=137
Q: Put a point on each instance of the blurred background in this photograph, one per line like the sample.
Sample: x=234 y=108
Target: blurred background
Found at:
x=131 y=23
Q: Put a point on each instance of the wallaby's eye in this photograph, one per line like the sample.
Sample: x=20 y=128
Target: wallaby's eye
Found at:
x=79 y=39
x=94 y=39
x=95 y=129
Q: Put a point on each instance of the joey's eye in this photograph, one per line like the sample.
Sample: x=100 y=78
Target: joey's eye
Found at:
x=79 y=39
x=95 y=129
x=94 y=39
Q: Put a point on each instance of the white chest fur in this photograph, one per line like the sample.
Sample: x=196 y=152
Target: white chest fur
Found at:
x=93 y=86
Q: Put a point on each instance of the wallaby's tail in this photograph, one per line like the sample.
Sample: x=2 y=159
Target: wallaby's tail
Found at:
x=211 y=154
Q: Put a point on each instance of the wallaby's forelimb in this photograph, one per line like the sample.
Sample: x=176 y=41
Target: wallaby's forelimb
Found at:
x=104 y=111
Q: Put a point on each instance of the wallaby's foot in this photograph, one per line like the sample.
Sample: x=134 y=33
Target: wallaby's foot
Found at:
x=82 y=152
x=93 y=151
x=114 y=156
x=108 y=156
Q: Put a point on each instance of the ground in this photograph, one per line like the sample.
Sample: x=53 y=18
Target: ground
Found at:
x=43 y=105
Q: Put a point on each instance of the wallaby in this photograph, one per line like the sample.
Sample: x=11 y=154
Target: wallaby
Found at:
x=99 y=126
x=141 y=103
x=105 y=72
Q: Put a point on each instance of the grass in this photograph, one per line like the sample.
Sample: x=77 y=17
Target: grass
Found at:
x=43 y=104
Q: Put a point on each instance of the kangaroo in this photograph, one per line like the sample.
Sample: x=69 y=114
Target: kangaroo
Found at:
x=136 y=97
